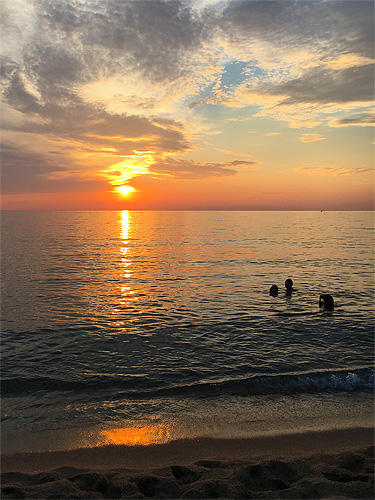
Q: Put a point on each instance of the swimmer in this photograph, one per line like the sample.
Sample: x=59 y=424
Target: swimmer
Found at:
x=326 y=302
x=274 y=290
x=289 y=286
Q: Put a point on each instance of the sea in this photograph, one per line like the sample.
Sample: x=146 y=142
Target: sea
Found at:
x=142 y=327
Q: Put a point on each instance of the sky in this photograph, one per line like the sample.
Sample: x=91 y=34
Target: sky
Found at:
x=187 y=105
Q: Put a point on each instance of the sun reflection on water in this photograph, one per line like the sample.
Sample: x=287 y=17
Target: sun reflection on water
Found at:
x=124 y=235
x=126 y=295
x=125 y=225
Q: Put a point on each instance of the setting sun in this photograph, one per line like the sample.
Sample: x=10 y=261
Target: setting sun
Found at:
x=124 y=190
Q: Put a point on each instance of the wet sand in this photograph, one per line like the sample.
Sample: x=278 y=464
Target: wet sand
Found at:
x=328 y=464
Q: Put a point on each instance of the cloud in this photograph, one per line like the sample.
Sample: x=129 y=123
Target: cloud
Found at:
x=345 y=61
x=311 y=137
x=17 y=21
x=189 y=169
x=147 y=37
x=31 y=173
x=320 y=86
x=321 y=29
x=333 y=171
x=365 y=120
x=228 y=151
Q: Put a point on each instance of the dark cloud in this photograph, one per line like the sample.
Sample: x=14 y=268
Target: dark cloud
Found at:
x=94 y=125
x=362 y=120
x=200 y=102
x=7 y=68
x=18 y=97
x=243 y=163
x=270 y=20
x=29 y=173
x=352 y=25
x=328 y=86
x=99 y=38
x=189 y=169
x=54 y=66
x=325 y=26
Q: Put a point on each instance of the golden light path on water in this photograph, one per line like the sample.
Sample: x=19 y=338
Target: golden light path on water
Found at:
x=125 y=251
x=127 y=295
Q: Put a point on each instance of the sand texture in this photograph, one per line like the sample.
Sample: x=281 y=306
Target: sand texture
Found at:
x=345 y=475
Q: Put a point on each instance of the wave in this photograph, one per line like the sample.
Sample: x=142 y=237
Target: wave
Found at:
x=291 y=383
x=359 y=379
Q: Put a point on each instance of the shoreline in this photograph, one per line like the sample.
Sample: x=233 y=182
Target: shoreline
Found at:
x=326 y=464
x=186 y=451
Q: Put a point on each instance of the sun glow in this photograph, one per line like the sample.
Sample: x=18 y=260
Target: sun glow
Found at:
x=124 y=190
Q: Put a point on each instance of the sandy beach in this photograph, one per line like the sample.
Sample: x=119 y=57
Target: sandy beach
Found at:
x=328 y=464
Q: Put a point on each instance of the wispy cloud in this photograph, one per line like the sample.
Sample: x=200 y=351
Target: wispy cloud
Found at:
x=333 y=171
x=311 y=137
x=189 y=169
x=365 y=120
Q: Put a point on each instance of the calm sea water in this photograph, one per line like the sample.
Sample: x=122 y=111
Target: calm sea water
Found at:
x=140 y=327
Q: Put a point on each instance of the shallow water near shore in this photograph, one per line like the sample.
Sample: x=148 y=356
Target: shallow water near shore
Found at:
x=142 y=327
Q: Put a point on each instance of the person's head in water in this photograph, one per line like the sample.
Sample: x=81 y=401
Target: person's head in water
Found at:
x=326 y=302
x=274 y=290
x=289 y=285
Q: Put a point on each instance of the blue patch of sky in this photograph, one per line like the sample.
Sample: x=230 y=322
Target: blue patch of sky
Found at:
x=234 y=74
x=238 y=72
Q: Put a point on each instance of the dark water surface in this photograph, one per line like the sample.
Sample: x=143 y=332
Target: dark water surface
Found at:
x=139 y=327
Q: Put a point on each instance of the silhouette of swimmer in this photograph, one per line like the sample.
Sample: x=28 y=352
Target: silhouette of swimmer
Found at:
x=289 y=286
x=274 y=290
x=326 y=302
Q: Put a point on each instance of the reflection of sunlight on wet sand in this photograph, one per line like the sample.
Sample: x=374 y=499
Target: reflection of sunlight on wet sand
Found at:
x=152 y=434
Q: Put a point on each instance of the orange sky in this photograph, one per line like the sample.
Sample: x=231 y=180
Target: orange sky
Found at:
x=195 y=105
